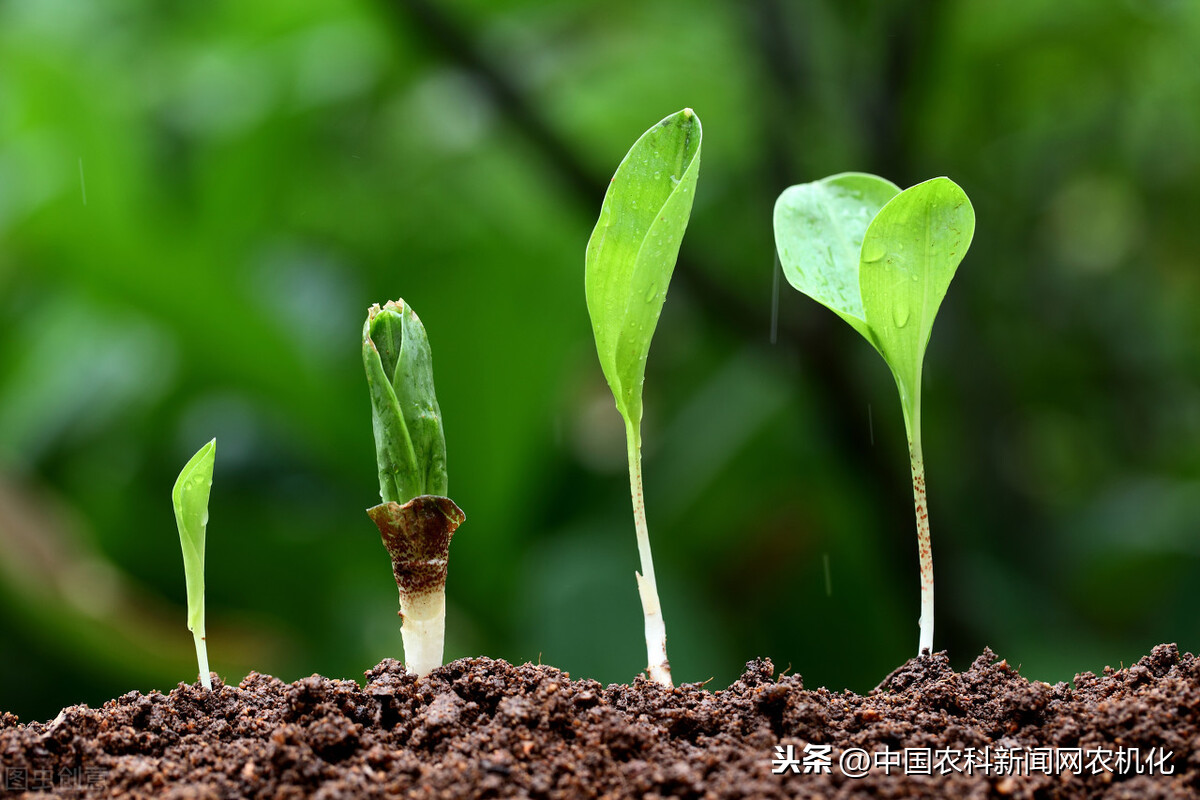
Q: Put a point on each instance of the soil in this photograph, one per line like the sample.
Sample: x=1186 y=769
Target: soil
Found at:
x=484 y=728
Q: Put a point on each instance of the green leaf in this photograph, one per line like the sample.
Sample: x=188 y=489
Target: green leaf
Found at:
x=819 y=229
x=909 y=255
x=190 y=498
x=633 y=249
x=410 y=445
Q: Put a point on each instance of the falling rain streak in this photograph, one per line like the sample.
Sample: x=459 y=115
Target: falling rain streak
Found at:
x=775 y=270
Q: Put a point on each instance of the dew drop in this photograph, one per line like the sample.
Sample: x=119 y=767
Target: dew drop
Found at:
x=872 y=251
x=900 y=314
x=651 y=292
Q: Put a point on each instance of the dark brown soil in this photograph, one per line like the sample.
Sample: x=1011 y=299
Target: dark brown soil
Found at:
x=483 y=728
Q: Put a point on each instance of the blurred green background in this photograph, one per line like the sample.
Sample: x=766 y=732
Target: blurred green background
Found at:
x=198 y=201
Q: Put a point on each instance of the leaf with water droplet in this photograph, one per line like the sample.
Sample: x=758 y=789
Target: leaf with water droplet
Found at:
x=819 y=229
x=632 y=251
x=630 y=257
x=925 y=231
x=892 y=266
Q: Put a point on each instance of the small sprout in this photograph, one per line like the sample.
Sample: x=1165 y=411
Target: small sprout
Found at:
x=882 y=259
x=190 y=498
x=630 y=258
x=415 y=519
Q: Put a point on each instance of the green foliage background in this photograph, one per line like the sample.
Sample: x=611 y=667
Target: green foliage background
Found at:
x=199 y=201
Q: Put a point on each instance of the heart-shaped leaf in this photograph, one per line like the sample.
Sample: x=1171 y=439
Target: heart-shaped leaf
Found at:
x=819 y=230
x=633 y=249
x=882 y=260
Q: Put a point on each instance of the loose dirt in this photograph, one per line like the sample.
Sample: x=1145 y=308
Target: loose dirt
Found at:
x=481 y=728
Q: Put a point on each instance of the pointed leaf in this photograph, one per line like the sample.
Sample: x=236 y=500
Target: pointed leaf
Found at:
x=190 y=498
x=819 y=229
x=909 y=255
x=633 y=249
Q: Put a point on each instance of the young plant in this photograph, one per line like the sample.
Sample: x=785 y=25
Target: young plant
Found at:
x=630 y=258
x=415 y=519
x=190 y=498
x=882 y=259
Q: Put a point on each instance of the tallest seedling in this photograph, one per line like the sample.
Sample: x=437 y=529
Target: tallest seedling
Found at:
x=882 y=260
x=629 y=262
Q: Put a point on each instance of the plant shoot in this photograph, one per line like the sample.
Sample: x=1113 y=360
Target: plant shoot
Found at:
x=882 y=259
x=629 y=261
x=415 y=519
x=190 y=498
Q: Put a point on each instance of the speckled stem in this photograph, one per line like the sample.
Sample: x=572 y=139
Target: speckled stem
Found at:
x=924 y=546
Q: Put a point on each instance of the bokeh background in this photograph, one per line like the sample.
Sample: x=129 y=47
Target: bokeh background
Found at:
x=198 y=201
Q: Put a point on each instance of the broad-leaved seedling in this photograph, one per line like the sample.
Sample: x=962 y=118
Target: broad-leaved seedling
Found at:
x=629 y=261
x=415 y=519
x=882 y=259
x=190 y=498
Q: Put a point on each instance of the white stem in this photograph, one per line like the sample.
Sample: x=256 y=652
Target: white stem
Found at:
x=656 y=628
x=423 y=630
x=202 y=660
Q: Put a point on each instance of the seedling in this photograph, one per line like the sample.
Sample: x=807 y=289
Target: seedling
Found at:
x=415 y=519
x=630 y=258
x=882 y=259
x=190 y=498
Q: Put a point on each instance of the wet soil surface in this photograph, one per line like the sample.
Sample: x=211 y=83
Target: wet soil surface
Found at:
x=484 y=728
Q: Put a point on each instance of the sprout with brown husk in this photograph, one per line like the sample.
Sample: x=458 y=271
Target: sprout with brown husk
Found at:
x=415 y=519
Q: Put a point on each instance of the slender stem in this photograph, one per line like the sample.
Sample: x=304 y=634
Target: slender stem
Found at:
x=910 y=401
x=656 y=629
x=924 y=545
x=202 y=659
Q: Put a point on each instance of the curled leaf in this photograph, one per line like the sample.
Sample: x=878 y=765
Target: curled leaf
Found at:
x=633 y=248
x=410 y=446
x=909 y=255
x=190 y=499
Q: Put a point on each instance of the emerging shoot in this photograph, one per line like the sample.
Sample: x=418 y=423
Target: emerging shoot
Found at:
x=882 y=259
x=415 y=519
x=190 y=498
x=629 y=261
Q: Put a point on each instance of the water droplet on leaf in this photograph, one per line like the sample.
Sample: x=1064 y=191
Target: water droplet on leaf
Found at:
x=872 y=251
